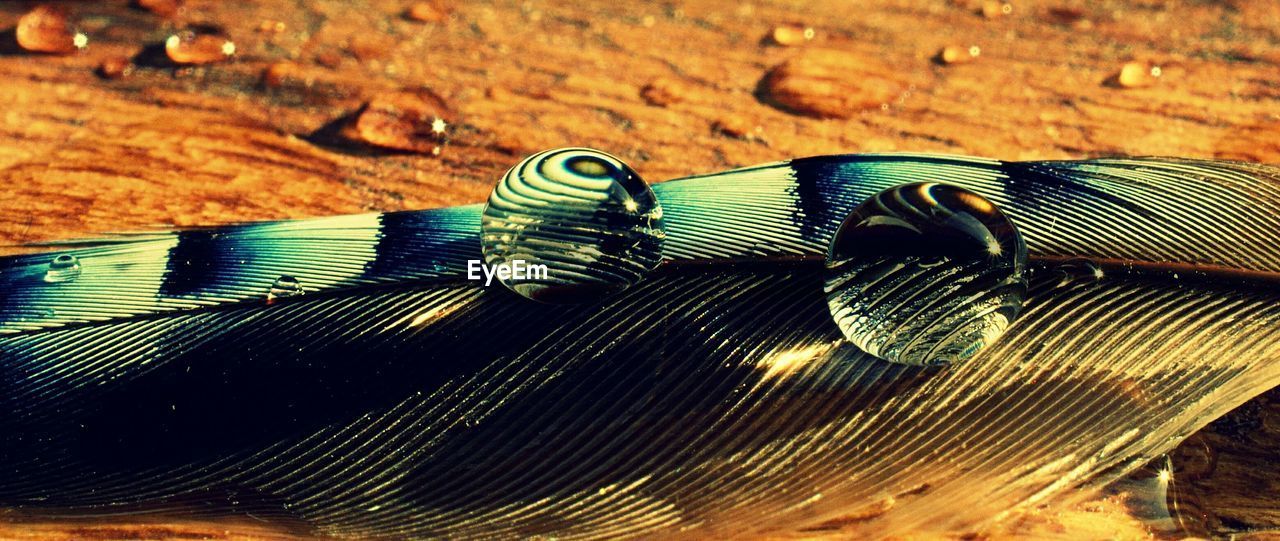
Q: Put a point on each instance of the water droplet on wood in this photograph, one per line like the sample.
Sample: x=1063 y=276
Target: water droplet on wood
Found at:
x=955 y=54
x=271 y=26
x=1138 y=75
x=790 y=35
x=199 y=44
x=992 y=9
x=833 y=84
x=413 y=121
x=48 y=29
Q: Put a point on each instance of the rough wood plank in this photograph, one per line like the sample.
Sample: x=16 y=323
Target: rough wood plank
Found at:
x=82 y=154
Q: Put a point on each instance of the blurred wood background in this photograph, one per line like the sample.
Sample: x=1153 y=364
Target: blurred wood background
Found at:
x=332 y=106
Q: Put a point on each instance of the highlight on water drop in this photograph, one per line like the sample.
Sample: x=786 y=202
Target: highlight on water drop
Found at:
x=584 y=214
x=925 y=274
x=63 y=268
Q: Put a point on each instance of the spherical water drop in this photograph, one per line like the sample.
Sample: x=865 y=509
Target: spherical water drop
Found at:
x=63 y=268
x=925 y=274
x=284 y=286
x=585 y=217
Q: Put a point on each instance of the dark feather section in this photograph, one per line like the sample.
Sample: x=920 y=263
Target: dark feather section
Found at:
x=713 y=399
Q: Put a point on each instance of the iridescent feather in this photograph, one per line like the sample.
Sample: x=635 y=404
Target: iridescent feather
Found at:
x=714 y=398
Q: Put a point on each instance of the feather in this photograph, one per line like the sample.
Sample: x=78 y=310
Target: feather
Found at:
x=714 y=398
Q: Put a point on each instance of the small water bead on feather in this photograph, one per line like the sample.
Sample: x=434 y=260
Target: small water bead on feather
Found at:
x=284 y=286
x=63 y=268
x=584 y=214
x=925 y=274
x=1079 y=269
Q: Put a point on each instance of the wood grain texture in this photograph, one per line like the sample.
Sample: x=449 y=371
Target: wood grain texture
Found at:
x=674 y=88
x=662 y=86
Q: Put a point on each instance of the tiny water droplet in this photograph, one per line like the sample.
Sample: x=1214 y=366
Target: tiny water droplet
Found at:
x=925 y=274
x=1079 y=268
x=1138 y=75
x=790 y=35
x=48 y=29
x=63 y=268
x=992 y=9
x=955 y=54
x=284 y=286
x=199 y=44
x=585 y=215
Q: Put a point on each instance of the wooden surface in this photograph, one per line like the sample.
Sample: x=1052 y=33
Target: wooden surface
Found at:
x=329 y=107
x=674 y=88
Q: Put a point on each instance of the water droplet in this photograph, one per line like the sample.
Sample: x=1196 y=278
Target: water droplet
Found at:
x=199 y=44
x=63 y=268
x=47 y=29
x=925 y=274
x=954 y=54
x=1079 y=268
x=790 y=35
x=992 y=9
x=284 y=286
x=1138 y=75
x=585 y=215
x=414 y=121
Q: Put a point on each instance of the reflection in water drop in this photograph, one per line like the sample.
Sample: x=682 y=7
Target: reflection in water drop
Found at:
x=284 y=286
x=925 y=274
x=64 y=268
x=584 y=214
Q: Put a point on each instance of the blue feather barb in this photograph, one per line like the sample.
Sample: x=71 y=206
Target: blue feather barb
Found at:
x=715 y=397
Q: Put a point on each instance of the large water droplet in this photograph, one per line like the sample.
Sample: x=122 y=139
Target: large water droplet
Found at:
x=284 y=286
x=925 y=274
x=585 y=215
x=63 y=268
x=49 y=29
